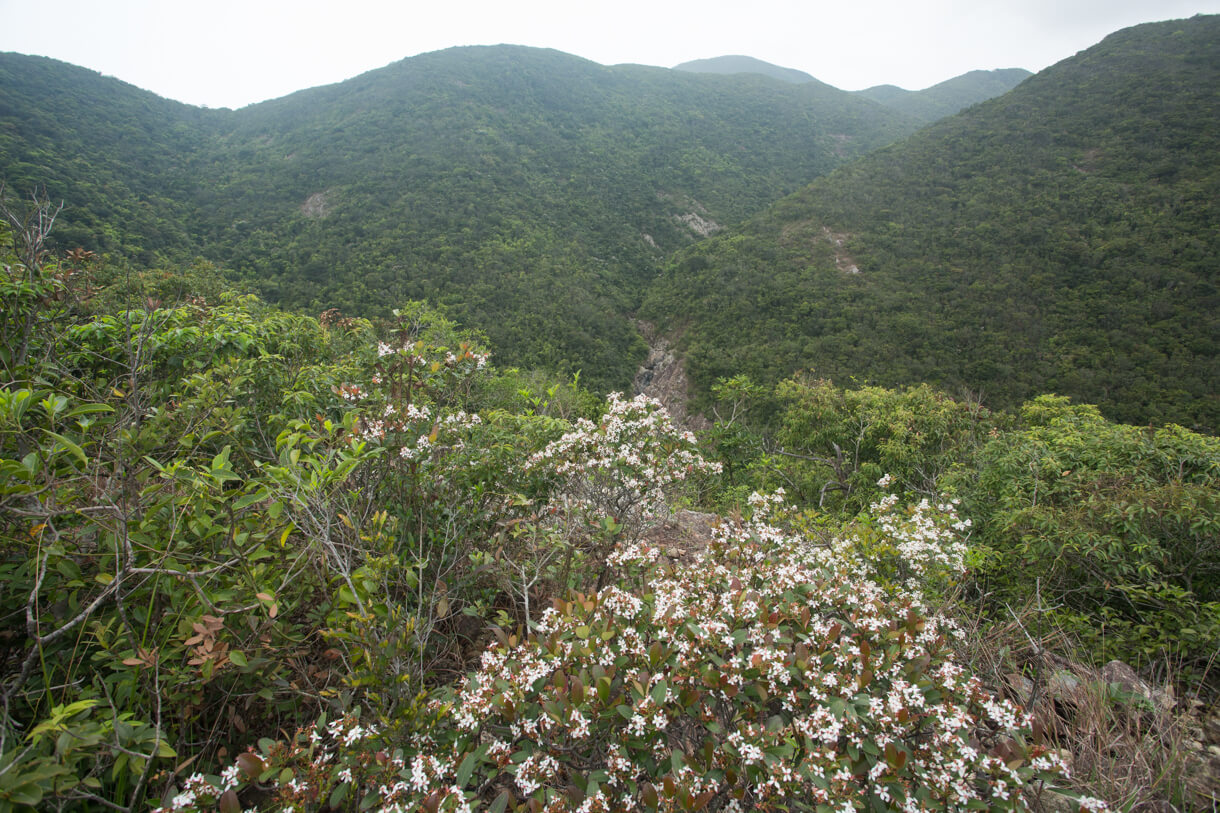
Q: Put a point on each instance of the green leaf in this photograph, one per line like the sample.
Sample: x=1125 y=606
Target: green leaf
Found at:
x=27 y=794
x=221 y=461
x=71 y=446
x=467 y=768
x=500 y=803
x=251 y=499
x=658 y=693
x=603 y=688
x=89 y=409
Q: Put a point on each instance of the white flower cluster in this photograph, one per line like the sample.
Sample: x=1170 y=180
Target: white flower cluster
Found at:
x=413 y=426
x=929 y=540
x=200 y=792
x=622 y=466
x=352 y=392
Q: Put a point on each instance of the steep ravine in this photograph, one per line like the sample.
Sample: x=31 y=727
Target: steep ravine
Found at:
x=663 y=376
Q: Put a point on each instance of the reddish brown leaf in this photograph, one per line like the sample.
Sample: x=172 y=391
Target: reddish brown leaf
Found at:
x=251 y=765
x=229 y=802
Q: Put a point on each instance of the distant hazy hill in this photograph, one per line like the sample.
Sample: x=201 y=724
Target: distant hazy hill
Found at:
x=925 y=105
x=1064 y=237
x=532 y=192
x=744 y=64
x=950 y=96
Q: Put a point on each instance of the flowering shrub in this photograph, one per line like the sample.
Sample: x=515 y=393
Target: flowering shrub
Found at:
x=393 y=501
x=616 y=474
x=920 y=549
x=761 y=675
x=767 y=675
x=403 y=407
x=333 y=765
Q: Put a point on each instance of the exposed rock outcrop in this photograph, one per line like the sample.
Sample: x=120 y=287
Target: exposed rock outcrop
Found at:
x=316 y=206
x=702 y=226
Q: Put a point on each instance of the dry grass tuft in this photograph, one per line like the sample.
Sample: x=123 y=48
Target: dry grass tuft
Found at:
x=1127 y=742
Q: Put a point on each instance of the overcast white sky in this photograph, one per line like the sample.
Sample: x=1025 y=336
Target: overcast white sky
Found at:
x=230 y=53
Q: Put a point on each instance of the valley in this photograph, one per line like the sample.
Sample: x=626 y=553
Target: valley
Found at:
x=319 y=490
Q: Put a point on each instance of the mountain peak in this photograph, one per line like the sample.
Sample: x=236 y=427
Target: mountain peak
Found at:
x=744 y=64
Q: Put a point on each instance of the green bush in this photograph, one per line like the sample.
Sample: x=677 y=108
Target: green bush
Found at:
x=1117 y=526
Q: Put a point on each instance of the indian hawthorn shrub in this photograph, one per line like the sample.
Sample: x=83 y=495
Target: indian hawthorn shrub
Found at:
x=768 y=675
x=614 y=477
x=919 y=549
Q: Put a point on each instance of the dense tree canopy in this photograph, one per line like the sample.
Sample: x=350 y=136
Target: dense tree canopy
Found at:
x=1060 y=238
x=531 y=192
x=947 y=97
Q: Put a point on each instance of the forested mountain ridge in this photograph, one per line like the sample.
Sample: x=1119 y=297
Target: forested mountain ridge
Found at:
x=950 y=96
x=123 y=160
x=1062 y=237
x=532 y=192
x=927 y=105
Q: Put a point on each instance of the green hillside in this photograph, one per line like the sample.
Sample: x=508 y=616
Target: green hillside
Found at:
x=262 y=561
x=1060 y=238
x=125 y=162
x=531 y=192
x=950 y=96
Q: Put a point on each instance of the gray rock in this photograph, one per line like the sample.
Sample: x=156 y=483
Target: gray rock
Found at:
x=1066 y=688
x=1125 y=678
x=1021 y=687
